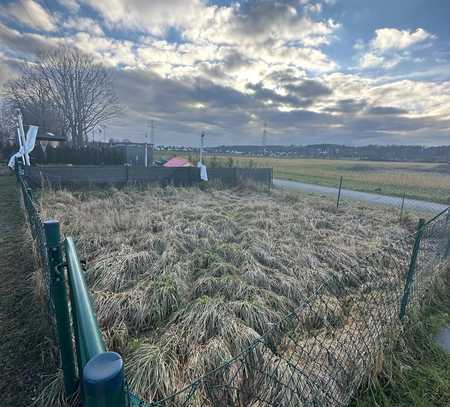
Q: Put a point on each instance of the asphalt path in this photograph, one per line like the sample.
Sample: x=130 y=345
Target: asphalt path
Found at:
x=393 y=201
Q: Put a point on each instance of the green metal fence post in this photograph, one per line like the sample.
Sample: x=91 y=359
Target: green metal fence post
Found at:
x=60 y=301
x=103 y=381
x=339 y=192
x=29 y=202
x=18 y=164
x=30 y=193
x=16 y=170
x=411 y=270
x=402 y=206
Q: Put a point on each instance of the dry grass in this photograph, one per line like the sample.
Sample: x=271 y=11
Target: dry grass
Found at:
x=184 y=280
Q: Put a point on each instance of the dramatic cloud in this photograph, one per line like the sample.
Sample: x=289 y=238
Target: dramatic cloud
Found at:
x=71 y=5
x=155 y=17
x=83 y=24
x=371 y=60
x=30 y=14
x=391 y=38
x=385 y=49
x=386 y=110
x=228 y=67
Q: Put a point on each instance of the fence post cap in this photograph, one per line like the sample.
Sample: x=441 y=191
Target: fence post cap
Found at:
x=52 y=233
x=50 y=222
x=103 y=373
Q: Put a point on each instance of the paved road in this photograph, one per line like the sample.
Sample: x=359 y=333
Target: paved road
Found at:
x=443 y=338
x=422 y=206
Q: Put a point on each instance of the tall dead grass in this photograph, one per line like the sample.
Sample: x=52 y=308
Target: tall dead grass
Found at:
x=184 y=280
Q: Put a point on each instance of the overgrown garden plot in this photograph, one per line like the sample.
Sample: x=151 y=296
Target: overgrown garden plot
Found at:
x=185 y=281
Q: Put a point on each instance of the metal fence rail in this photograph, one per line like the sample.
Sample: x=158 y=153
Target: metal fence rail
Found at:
x=317 y=355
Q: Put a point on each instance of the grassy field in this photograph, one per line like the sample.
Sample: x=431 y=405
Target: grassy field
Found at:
x=25 y=354
x=184 y=280
x=417 y=180
x=417 y=372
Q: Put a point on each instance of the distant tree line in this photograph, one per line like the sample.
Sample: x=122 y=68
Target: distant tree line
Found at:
x=335 y=151
x=86 y=155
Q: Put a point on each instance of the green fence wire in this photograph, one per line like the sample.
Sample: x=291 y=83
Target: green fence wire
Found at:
x=321 y=352
x=40 y=245
x=76 y=333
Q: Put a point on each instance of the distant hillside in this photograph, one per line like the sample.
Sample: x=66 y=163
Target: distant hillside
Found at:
x=335 y=151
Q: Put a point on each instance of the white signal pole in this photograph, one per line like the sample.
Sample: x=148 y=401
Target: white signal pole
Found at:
x=21 y=136
x=202 y=137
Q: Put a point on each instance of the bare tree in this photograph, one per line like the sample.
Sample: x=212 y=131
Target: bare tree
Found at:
x=29 y=93
x=7 y=122
x=71 y=84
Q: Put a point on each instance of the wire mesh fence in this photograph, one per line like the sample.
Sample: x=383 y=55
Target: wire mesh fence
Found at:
x=321 y=352
x=432 y=259
x=344 y=197
x=40 y=245
x=402 y=203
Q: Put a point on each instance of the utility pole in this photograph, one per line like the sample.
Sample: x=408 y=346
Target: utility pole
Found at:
x=264 y=138
x=146 y=146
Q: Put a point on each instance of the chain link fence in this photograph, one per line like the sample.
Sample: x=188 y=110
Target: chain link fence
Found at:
x=40 y=245
x=401 y=203
x=342 y=196
x=320 y=353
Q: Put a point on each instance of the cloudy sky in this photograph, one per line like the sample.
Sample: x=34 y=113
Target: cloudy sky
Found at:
x=335 y=71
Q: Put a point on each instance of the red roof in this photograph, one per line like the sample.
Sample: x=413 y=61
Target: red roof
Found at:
x=177 y=162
